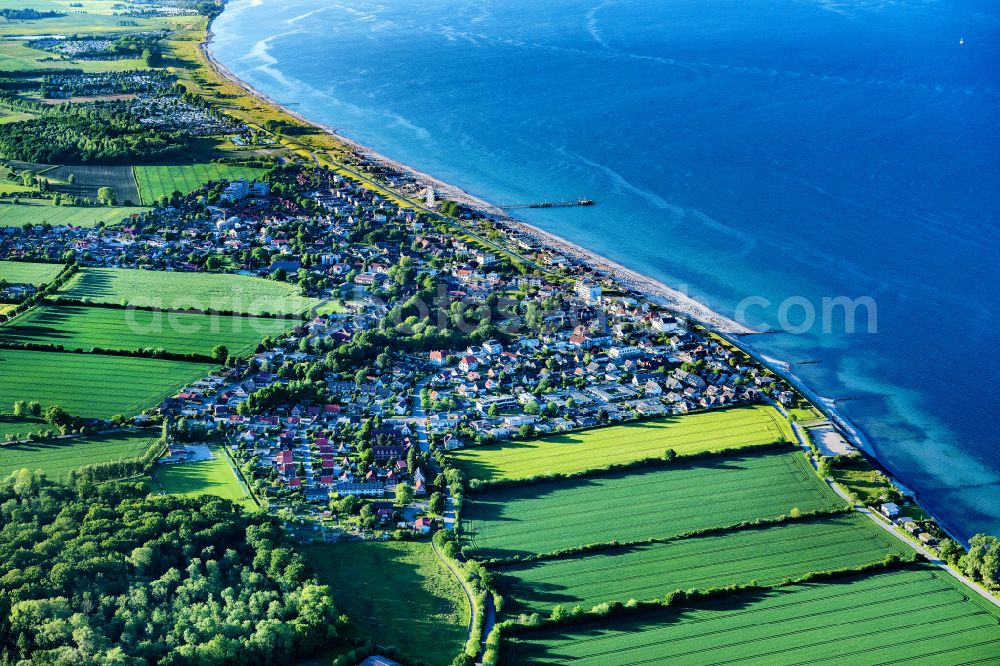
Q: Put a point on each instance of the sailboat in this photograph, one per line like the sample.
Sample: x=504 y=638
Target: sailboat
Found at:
x=961 y=41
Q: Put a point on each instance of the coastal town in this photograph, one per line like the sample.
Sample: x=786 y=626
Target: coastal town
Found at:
x=585 y=358
x=259 y=363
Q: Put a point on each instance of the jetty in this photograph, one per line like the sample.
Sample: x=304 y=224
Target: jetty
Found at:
x=549 y=204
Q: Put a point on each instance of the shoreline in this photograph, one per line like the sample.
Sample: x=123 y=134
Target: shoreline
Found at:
x=650 y=288
x=630 y=280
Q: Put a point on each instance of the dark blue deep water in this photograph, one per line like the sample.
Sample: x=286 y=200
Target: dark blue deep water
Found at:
x=771 y=149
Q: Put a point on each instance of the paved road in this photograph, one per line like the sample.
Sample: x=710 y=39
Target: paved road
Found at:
x=419 y=421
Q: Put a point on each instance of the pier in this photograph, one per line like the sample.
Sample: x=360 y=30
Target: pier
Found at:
x=549 y=204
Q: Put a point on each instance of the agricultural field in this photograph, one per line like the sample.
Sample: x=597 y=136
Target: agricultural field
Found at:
x=41 y=212
x=93 y=17
x=157 y=181
x=88 y=179
x=647 y=572
x=202 y=291
x=92 y=385
x=76 y=327
x=203 y=477
x=656 y=503
x=914 y=615
x=19 y=425
x=398 y=591
x=598 y=448
x=57 y=458
x=24 y=272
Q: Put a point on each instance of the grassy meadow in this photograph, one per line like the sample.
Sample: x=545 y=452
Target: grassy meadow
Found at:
x=76 y=327
x=203 y=291
x=19 y=425
x=647 y=572
x=92 y=385
x=203 y=477
x=157 y=181
x=915 y=615
x=598 y=448
x=57 y=458
x=397 y=593
x=23 y=272
x=42 y=212
x=627 y=507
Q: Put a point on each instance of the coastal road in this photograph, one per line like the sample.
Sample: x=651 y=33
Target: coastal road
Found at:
x=931 y=556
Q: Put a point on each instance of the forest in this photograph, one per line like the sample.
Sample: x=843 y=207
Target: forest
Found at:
x=97 y=134
x=104 y=573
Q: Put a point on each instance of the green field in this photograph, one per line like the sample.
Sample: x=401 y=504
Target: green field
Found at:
x=598 y=448
x=157 y=181
x=202 y=291
x=19 y=425
x=913 y=616
x=92 y=385
x=770 y=555
x=396 y=593
x=78 y=216
x=58 y=457
x=204 y=477
x=660 y=503
x=112 y=328
x=23 y=272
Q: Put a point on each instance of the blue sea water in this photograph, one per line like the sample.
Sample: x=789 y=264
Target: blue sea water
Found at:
x=772 y=149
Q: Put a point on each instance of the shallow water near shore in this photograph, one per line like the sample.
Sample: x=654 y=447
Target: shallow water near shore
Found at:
x=775 y=149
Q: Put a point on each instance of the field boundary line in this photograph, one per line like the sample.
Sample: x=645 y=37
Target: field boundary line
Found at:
x=138 y=188
x=473 y=608
x=234 y=468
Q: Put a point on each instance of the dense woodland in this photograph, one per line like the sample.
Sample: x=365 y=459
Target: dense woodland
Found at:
x=95 y=134
x=104 y=574
x=28 y=14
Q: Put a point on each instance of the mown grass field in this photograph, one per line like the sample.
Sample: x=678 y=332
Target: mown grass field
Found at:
x=32 y=212
x=397 y=593
x=916 y=615
x=23 y=272
x=598 y=448
x=628 y=507
x=113 y=328
x=157 y=181
x=202 y=291
x=57 y=458
x=203 y=477
x=19 y=425
x=647 y=572
x=92 y=385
